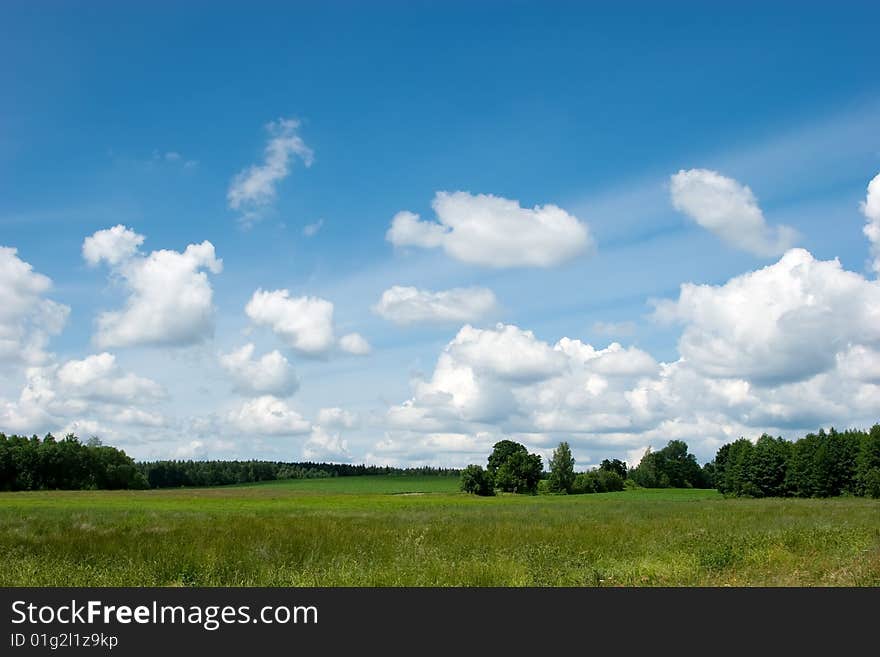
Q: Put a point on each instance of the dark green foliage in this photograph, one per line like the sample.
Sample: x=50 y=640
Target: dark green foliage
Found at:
x=585 y=482
x=670 y=467
x=733 y=468
x=501 y=451
x=561 y=470
x=817 y=465
x=824 y=464
x=174 y=474
x=476 y=480
x=512 y=469
x=868 y=464
x=66 y=464
x=520 y=473
x=871 y=485
x=610 y=481
x=598 y=481
x=614 y=465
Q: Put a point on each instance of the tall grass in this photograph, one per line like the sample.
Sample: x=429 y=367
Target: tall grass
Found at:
x=362 y=531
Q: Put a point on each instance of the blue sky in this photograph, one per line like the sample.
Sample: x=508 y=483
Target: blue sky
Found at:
x=146 y=117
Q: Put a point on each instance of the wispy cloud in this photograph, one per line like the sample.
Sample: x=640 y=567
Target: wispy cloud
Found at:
x=311 y=230
x=255 y=188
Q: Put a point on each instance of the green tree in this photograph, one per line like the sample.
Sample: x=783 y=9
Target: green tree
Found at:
x=614 y=465
x=501 y=452
x=868 y=463
x=671 y=467
x=474 y=479
x=561 y=469
x=520 y=473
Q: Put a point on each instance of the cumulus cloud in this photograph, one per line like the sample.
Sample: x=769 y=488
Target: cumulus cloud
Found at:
x=170 y=297
x=507 y=377
x=255 y=187
x=27 y=317
x=730 y=210
x=269 y=374
x=112 y=245
x=766 y=351
x=267 y=415
x=410 y=305
x=871 y=210
x=780 y=323
x=506 y=352
x=98 y=377
x=79 y=392
x=303 y=323
x=324 y=445
x=355 y=344
x=493 y=231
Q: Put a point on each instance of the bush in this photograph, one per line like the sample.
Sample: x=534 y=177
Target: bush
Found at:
x=609 y=481
x=585 y=482
x=475 y=480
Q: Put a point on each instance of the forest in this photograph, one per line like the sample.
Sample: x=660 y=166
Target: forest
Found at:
x=70 y=464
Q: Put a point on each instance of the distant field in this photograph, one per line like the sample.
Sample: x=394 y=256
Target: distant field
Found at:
x=395 y=531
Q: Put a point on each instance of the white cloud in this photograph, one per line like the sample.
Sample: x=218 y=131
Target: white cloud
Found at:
x=493 y=231
x=323 y=445
x=267 y=415
x=112 y=245
x=784 y=322
x=170 y=297
x=98 y=377
x=303 y=323
x=436 y=449
x=410 y=305
x=730 y=210
x=194 y=449
x=310 y=230
x=337 y=418
x=27 y=317
x=766 y=351
x=254 y=188
x=270 y=374
x=355 y=344
x=871 y=210
x=506 y=352
x=88 y=392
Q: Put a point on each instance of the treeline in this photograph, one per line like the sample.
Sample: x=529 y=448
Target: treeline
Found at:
x=174 y=474
x=823 y=464
x=69 y=464
x=66 y=464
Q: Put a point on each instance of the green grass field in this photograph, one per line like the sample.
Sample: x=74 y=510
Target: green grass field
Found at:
x=418 y=531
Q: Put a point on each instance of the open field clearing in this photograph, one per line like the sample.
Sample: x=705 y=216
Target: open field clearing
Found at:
x=398 y=531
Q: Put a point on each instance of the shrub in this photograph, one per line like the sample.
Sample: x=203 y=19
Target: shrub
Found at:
x=475 y=480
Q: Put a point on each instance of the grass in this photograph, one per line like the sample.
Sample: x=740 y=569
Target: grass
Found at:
x=418 y=531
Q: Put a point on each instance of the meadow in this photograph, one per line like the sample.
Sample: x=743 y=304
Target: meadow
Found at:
x=419 y=531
